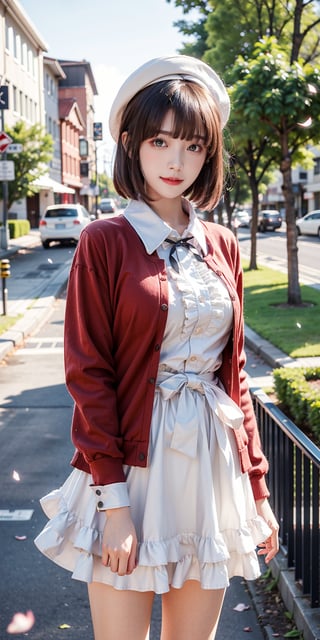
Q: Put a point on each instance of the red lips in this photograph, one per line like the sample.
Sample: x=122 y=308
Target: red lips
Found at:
x=172 y=181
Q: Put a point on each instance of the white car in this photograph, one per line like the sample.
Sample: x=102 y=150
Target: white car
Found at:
x=63 y=223
x=309 y=225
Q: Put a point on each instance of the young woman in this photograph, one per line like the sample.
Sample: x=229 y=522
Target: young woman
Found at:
x=168 y=492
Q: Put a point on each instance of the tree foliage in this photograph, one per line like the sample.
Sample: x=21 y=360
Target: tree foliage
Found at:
x=280 y=101
x=268 y=51
x=31 y=162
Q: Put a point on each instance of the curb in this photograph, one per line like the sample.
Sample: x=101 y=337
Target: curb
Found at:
x=36 y=315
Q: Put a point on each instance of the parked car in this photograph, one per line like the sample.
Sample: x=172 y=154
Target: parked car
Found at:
x=269 y=219
x=107 y=205
x=63 y=223
x=241 y=218
x=309 y=225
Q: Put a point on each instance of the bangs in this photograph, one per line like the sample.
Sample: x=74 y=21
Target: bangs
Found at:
x=192 y=106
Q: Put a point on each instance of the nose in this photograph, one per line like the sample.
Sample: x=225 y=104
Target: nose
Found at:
x=176 y=160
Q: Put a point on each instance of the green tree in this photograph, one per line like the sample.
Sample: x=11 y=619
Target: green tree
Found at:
x=282 y=101
x=31 y=162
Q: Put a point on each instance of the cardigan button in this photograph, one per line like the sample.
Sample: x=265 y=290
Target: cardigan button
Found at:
x=100 y=504
x=141 y=456
x=164 y=307
x=98 y=492
x=152 y=380
x=157 y=347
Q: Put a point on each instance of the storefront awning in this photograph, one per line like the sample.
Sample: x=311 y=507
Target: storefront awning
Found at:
x=45 y=182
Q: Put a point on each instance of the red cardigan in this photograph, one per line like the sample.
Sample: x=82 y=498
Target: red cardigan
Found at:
x=116 y=315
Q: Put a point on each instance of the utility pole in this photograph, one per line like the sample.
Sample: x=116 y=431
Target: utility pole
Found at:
x=4 y=104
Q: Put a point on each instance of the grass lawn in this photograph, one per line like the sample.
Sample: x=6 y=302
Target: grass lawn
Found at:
x=296 y=331
x=7 y=321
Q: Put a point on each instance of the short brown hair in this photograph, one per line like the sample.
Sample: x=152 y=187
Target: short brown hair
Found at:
x=194 y=112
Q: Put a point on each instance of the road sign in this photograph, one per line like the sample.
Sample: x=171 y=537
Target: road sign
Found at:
x=14 y=148
x=5 y=141
x=6 y=170
x=4 y=97
x=97 y=131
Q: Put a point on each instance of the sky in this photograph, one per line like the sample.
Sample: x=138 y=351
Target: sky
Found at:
x=115 y=36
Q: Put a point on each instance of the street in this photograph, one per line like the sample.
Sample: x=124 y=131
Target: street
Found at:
x=35 y=449
x=272 y=252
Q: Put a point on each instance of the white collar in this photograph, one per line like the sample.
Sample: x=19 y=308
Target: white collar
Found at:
x=153 y=231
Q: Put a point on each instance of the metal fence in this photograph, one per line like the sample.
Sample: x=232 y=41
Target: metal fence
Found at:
x=294 y=480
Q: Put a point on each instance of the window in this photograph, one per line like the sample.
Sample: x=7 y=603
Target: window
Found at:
x=9 y=38
x=316 y=169
x=21 y=102
x=25 y=55
x=303 y=175
x=15 y=98
x=18 y=47
x=15 y=52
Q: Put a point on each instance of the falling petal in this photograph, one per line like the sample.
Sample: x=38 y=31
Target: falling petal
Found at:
x=21 y=622
x=307 y=123
x=241 y=607
x=64 y=626
x=312 y=88
x=15 y=476
x=298 y=325
x=248 y=629
x=50 y=260
x=20 y=537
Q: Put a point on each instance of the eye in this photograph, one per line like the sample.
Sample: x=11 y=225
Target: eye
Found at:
x=197 y=148
x=158 y=142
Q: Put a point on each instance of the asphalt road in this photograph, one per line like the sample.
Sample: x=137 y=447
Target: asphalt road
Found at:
x=272 y=251
x=35 y=449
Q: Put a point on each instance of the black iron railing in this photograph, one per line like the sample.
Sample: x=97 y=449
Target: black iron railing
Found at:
x=294 y=482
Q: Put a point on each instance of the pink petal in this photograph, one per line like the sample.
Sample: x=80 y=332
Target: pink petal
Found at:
x=21 y=622
x=20 y=537
x=241 y=607
x=15 y=476
x=247 y=629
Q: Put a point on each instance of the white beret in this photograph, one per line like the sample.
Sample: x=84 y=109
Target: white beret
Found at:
x=169 y=68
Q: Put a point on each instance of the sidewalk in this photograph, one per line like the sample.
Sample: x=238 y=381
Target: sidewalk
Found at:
x=31 y=297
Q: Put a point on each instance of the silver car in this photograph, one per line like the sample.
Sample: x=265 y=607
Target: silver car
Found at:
x=63 y=223
x=309 y=225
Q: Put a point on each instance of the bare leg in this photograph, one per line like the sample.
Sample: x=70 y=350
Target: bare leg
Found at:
x=119 y=615
x=191 y=613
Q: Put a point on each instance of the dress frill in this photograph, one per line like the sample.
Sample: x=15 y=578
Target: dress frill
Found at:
x=194 y=511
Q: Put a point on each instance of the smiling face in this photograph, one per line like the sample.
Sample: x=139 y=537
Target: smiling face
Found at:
x=170 y=118
x=170 y=165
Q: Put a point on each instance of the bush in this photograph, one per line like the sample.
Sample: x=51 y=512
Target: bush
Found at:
x=294 y=391
x=18 y=228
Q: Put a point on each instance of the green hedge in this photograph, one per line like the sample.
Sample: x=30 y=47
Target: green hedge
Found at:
x=298 y=397
x=18 y=228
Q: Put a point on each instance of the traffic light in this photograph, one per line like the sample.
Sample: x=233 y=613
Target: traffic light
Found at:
x=5 y=268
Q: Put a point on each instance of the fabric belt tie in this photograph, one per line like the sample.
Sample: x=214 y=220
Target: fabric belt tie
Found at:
x=185 y=432
x=173 y=255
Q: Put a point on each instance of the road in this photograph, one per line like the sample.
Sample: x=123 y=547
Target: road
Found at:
x=35 y=449
x=272 y=251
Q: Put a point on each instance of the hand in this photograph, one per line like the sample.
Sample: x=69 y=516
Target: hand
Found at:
x=119 y=543
x=270 y=547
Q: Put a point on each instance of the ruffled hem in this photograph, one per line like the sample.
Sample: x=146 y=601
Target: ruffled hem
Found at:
x=75 y=546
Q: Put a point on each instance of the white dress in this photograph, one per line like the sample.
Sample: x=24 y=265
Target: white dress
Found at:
x=193 y=509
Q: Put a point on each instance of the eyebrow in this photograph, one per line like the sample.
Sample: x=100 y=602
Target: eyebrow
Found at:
x=169 y=133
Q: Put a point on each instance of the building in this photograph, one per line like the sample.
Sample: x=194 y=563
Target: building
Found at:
x=21 y=69
x=79 y=83
x=306 y=188
x=71 y=127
